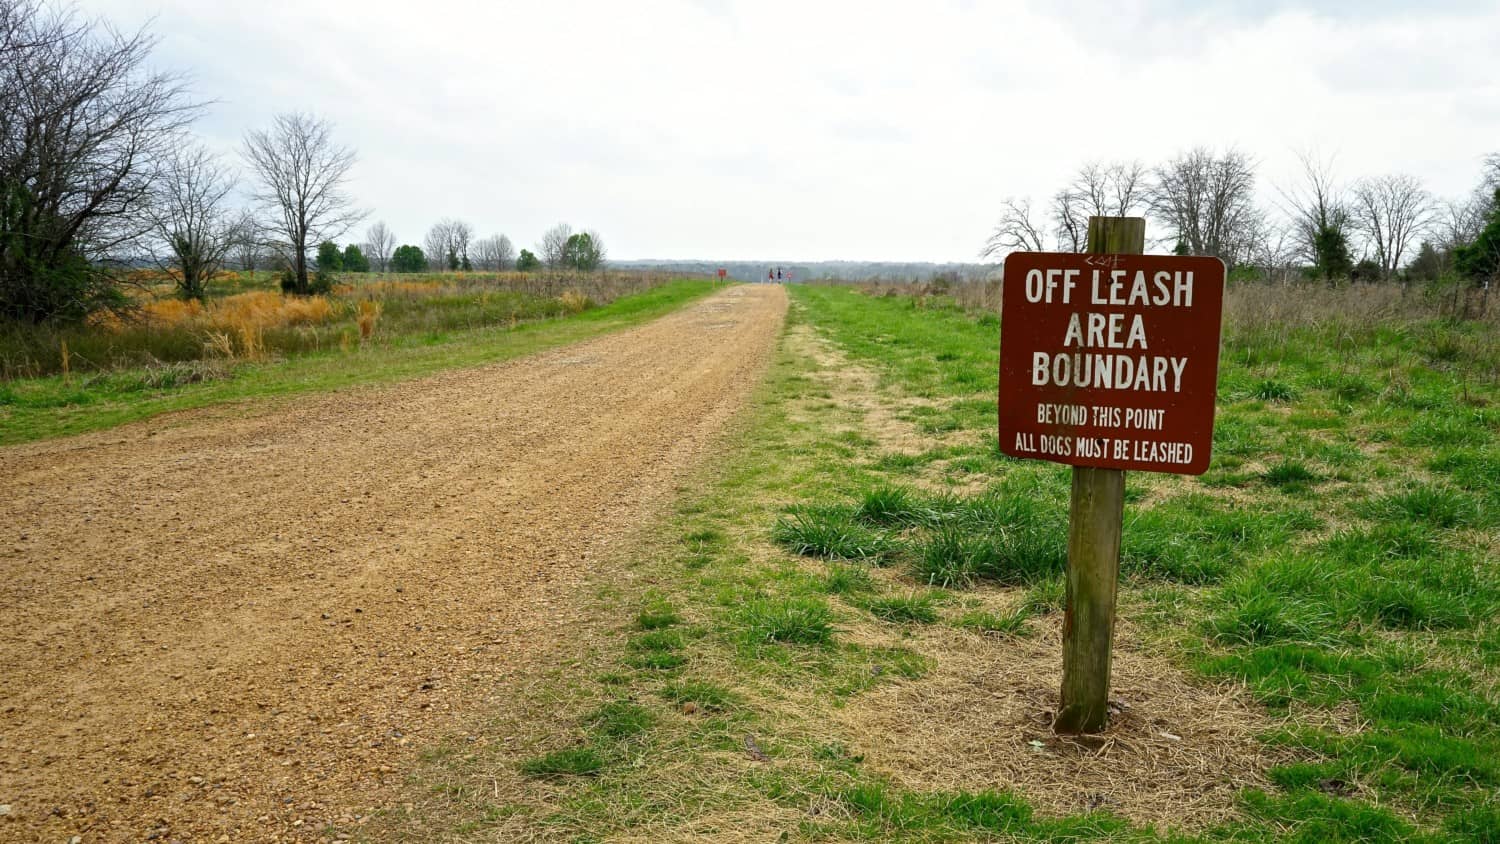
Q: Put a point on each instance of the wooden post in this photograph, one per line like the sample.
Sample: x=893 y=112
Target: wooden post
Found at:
x=1094 y=516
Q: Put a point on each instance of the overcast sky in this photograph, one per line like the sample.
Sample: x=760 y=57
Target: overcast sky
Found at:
x=807 y=131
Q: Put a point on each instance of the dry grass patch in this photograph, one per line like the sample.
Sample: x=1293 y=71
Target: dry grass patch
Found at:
x=884 y=417
x=1176 y=755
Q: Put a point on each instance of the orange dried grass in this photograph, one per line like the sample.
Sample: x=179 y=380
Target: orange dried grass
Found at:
x=257 y=310
x=369 y=313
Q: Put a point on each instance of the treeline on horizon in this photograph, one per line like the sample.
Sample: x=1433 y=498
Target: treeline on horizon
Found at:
x=1386 y=227
x=742 y=270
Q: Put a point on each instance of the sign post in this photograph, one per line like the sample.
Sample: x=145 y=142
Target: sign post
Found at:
x=1108 y=361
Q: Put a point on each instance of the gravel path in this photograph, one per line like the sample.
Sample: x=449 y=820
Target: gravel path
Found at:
x=239 y=623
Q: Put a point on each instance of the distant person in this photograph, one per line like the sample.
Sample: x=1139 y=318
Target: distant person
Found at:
x=778 y=273
x=770 y=276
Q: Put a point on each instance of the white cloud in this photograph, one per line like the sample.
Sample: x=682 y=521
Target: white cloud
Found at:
x=801 y=130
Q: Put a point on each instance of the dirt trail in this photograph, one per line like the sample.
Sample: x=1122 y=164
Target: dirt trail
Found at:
x=220 y=626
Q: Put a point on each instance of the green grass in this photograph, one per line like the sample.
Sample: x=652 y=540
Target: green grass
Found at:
x=800 y=620
x=707 y=696
x=833 y=533
x=40 y=408
x=573 y=762
x=905 y=609
x=620 y=719
x=1350 y=579
x=847 y=580
x=658 y=614
x=1006 y=624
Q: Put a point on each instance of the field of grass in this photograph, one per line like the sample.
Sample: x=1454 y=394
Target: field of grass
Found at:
x=244 y=316
x=849 y=635
x=249 y=343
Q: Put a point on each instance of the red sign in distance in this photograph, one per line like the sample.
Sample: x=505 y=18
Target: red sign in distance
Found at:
x=1110 y=361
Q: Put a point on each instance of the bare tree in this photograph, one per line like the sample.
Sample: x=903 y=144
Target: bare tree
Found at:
x=84 y=129
x=460 y=233
x=249 y=240
x=1274 y=252
x=1318 y=210
x=505 y=253
x=302 y=175
x=191 y=228
x=1070 y=221
x=1016 y=231
x=1208 y=201
x=1097 y=190
x=379 y=241
x=447 y=244
x=1460 y=221
x=495 y=253
x=554 y=245
x=435 y=245
x=1110 y=190
x=1391 y=211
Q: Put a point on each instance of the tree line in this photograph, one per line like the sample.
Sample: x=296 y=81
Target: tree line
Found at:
x=99 y=171
x=449 y=245
x=1374 y=229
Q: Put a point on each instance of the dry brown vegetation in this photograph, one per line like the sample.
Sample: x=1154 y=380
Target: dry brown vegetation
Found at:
x=243 y=318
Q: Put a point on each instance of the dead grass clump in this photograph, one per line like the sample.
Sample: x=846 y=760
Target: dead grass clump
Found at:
x=171 y=311
x=1176 y=754
x=366 y=317
x=217 y=344
x=252 y=342
x=574 y=302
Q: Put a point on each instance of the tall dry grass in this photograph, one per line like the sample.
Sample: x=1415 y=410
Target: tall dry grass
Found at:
x=1253 y=307
x=260 y=323
x=1451 y=324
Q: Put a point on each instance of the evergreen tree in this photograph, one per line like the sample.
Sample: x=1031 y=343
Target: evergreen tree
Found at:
x=581 y=253
x=354 y=260
x=528 y=262
x=408 y=259
x=330 y=259
x=1331 y=247
x=1428 y=264
x=1480 y=260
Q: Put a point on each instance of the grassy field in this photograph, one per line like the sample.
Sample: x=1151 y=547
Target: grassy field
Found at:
x=247 y=343
x=852 y=634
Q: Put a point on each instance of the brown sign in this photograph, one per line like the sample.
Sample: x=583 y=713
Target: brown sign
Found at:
x=1110 y=361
